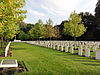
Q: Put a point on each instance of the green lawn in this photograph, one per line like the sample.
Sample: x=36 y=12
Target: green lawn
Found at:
x=44 y=61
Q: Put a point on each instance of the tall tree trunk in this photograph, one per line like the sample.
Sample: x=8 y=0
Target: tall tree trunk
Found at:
x=1 y=42
x=39 y=40
x=50 y=38
x=50 y=41
x=15 y=37
x=74 y=42
x=74 y=38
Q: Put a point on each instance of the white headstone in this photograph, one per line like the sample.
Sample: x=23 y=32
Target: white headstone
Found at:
x=71 y=49
x=94 y=48
x=50 y=45
x=98 y=54
x=80 y=51
x=62 y=48
x=57 y=47
x=54 y=46
x=66 y=48
x=87 y=52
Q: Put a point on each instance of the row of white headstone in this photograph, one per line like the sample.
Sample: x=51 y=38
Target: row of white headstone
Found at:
x=70 y=46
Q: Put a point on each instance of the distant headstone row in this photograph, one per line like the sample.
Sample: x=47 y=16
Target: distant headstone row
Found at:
x=71 y=46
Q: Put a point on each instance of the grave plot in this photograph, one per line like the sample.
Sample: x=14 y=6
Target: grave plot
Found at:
x=8 y=63
x=12 y=66
x=82 y=48
x=45 y=61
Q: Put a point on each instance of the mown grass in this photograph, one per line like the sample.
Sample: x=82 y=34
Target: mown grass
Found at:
x=44 y=61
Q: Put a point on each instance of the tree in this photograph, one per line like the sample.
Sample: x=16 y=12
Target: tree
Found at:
x=61 y=27
x=28 y=27
x=57 y=31
x=10 y=14
x=89 y=21
x=49 y=22
x=49 y=29
x=22 y=26
x=10 y=31
x=25 y=27
x=97 y=13
x=97 y=19
x=23 y=36
x=37 y=31
x=74 y=27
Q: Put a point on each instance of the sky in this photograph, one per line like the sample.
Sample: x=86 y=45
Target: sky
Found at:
x=57 y=10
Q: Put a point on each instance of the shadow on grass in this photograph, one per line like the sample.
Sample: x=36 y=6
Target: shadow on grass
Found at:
x=70 y=56
x=91 y=64
x=87 y=60
x=82 y=59
x=19 y=49
x=61 y=54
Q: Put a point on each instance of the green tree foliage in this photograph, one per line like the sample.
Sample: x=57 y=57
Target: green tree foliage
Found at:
x=49 y=29
x=23 y=36
x=60 y=29
x=28 y=27
x=10 y=31
x=74 y=27
x=10 y=14
x=57 y=31
x=25 y=27
x=22 y=25
x=97 y=13
x=49 y=22
x=97 y=19
x=37 y=31
x=89 y=21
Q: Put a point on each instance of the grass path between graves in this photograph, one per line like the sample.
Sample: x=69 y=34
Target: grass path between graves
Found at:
x=44 y=61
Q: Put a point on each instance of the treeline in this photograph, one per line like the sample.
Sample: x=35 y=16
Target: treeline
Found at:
x=11 y=25
x=48 y=31
x=37 y=31
x=40 y=31
x=91 y=23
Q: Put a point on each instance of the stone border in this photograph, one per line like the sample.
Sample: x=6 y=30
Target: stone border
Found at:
x=7 y=48
x=2 y=65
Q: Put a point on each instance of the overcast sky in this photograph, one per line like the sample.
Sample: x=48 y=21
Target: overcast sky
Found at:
x=57 y=10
